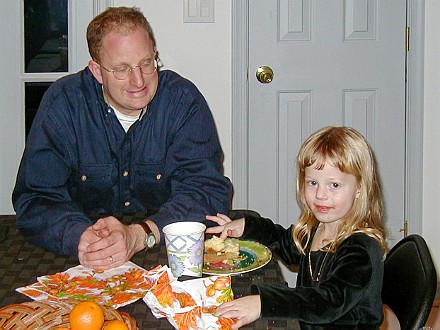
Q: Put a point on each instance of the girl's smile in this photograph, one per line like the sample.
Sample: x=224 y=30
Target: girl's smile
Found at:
x=322 y=209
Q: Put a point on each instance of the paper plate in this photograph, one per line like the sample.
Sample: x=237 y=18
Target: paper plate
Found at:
x=255 y=255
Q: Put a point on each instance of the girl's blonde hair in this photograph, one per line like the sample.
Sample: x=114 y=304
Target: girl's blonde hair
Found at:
x=349 y=151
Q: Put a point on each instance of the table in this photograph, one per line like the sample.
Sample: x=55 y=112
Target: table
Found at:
x=21 y=263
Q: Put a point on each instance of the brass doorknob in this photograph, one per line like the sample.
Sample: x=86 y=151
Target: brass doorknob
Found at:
x=264 y=74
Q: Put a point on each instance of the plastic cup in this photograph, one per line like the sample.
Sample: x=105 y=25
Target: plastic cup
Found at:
x=185 y=243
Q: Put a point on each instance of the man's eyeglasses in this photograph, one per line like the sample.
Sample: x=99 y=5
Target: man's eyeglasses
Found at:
x=123 y=72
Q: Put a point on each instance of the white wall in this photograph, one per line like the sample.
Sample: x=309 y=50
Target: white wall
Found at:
x=11 y=133
x=431 y=138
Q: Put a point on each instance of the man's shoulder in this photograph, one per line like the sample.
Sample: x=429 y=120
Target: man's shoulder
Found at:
x=170 y=76
x=73 y=80
x=72 y=84
x=169 y=79
x=71 y=93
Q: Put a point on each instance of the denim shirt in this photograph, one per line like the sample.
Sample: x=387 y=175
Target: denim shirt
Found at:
x=79 y=160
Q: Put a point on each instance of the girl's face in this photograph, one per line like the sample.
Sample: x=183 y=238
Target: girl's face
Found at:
x=330 y=193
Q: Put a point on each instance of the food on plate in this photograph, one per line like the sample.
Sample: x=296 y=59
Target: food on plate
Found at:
x=221 y=252
x=87 y=315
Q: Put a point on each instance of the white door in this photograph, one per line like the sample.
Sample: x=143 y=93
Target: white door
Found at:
x=334 y=63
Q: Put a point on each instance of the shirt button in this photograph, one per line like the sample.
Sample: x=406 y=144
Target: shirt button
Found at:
x=158 y=176
x=127 y=203
x=84 y=178
x=125 y=173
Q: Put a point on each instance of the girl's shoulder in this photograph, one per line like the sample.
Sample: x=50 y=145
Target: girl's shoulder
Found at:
x=362 y=240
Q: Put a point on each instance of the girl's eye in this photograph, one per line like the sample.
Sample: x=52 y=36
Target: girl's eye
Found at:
x=335 y=185
x=311 y=183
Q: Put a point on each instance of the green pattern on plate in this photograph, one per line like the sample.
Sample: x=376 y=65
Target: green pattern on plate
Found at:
x=257 y=255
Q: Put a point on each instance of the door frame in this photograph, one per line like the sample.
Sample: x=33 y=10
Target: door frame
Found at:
x=413 y=112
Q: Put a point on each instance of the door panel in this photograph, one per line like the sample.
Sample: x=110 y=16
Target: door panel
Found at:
x=334 y=63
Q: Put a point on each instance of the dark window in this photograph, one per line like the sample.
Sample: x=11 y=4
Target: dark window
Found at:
x=33 y=94
x=45 y=36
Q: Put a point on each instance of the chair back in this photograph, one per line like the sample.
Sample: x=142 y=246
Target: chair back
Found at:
x=410 y=282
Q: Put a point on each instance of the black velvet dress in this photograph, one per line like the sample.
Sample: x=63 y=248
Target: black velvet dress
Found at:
x=348 y=293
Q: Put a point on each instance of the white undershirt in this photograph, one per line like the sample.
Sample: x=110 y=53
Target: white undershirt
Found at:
x=125 y=120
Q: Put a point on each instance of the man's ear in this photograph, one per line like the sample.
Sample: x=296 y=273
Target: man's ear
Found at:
x=95 y=68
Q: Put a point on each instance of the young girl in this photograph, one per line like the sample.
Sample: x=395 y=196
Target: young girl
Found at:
x=338 y=242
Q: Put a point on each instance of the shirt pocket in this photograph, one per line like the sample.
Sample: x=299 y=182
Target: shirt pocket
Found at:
x=95 y=185
x=151 y=185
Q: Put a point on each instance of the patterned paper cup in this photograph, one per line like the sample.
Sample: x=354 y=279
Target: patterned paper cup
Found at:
x=184 y=242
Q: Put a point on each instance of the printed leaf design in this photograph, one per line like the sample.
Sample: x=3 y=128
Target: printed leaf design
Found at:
x=120 y=298
x=225 y=323
x=227 y=295
x=114 y=290
x=134 y=280
x=209 y=310
x=164 y=294
x=188 y=320
x=163 y=278
x=185 y=299
x=195 y=269
x=33 y=292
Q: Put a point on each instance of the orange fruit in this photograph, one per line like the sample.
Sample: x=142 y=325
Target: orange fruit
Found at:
x=87 y=315
x=115 y=325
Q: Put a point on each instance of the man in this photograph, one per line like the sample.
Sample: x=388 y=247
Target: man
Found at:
x=118 y=136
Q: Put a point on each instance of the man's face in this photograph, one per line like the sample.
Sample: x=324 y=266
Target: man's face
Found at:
x=129 y=49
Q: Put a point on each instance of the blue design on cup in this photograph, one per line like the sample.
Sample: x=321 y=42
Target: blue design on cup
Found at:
x=177 y=267
x=195 y=253
x=184 y=242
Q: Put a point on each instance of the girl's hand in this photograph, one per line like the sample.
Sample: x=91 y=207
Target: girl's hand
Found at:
x=226 y=226
x=245 y=310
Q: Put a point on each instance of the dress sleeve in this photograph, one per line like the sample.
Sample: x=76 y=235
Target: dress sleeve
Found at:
x=274 y=236
x=352 y=275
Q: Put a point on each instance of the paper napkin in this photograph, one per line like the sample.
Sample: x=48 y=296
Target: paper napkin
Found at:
x=191 y=304
x=116 y=287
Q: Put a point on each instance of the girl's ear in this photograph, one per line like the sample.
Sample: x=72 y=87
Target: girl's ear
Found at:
x=358 y=192
x=95 y=68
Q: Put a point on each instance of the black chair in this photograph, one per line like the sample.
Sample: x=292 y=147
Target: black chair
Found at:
x=410 y=282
